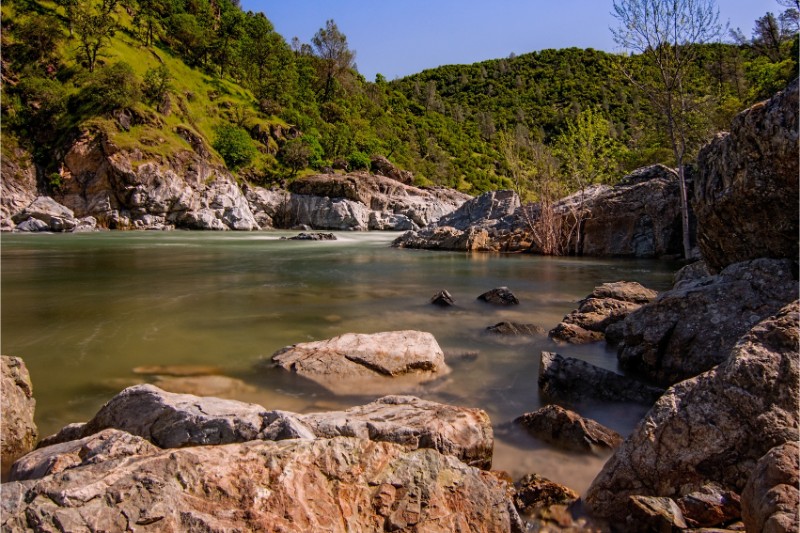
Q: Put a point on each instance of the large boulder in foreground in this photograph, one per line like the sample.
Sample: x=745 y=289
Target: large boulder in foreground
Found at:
x=18 y=432
x=608 y=304
x=714 y=427
x=746 y=194
x=336 y=485
x=771 y=498
x=692 y=327
x=176 y=420
x=364 y=362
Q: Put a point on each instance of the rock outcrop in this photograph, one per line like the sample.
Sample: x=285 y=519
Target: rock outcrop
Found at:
x=358 y=362
x=714 y=427
x=771 y=498
x=53 y=215
x=607 y=305
x=18 y=186
x=567 y=378
x=692 y=327
x=638 y=217
x=340 y=484
x=746 y=194
x=569 y=430
x=18 y=432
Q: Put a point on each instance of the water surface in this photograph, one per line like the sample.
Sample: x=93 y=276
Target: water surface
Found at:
x=83 y=310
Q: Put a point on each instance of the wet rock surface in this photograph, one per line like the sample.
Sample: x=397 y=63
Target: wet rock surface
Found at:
x=517 y=329
x=499 y=296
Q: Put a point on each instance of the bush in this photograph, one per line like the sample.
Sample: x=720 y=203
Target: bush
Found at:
x=114 y=87
x=235 y=146
x=156 y=83
x=358 y=160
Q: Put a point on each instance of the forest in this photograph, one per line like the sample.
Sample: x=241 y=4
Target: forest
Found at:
x=546 y=122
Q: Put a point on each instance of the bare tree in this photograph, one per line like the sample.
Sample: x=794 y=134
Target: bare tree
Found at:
x=666 y=34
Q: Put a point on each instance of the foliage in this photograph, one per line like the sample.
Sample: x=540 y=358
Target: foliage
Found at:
x=113 y=87
x=358 y=161
x=156 y=83
x=234 y=145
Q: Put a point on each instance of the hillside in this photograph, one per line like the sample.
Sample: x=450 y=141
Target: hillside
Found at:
x=158 y=77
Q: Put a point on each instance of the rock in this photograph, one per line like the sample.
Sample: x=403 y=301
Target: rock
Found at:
x=349 y=362
x=312 y=237
x=220 y=386
x=32 y=225
x=691 y=272
x=711 y=506
x=692 y=328
x=485 y=211
x=47 y=210
x=104 y=446
x=517 y=329
x=174 y=420
x=18 y=432
x=18 y=186
x=69 y=432
x=381 y=221
x=711 y=428
x=746 y=193
x=566 y=378
x=607 y=305
x=648 y=513
x=533 y=493
x=382 y=166
x=337 y=485
x=570 y=431
x=269 y=206
x=771 y=499
x=445 y=238
x=443 y=299
x=413 y=423
x=499 y=296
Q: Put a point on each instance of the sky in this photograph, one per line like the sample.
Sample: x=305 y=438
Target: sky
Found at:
x=401 y=37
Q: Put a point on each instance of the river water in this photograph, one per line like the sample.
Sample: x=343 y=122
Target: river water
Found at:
x=84 y=310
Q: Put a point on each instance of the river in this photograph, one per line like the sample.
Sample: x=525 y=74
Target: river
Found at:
x=84 y=310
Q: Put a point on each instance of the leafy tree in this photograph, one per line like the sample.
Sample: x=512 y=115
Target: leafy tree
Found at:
x=667 y=34
x=295 y=154
x=156 y=83
x=39 y=37
x=336 y=59
x=235 y=146
x=95 y=25
x=358 y=161
x=112 y=87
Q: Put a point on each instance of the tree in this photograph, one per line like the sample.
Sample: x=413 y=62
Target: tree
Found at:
x=235 y=146
x=667 y=33
x=330 y=46
x=95 y=24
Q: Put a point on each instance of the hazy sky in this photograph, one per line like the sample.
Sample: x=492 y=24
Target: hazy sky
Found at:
x=402 y=37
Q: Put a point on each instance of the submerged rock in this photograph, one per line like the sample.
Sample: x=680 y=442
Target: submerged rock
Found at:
x=349 y=363
x=337 y=485
x=572 y=379
x=570 y=431
x=517 y=329
x=18 y=432
x=714 y=427
x=312 y=237
x=499 y=296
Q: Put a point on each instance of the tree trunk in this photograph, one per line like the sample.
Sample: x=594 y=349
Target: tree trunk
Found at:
x=687 y=246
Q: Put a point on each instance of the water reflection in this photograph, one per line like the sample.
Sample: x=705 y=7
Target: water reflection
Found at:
x=84 y=310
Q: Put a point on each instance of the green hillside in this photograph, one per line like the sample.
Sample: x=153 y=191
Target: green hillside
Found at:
x=146 y=72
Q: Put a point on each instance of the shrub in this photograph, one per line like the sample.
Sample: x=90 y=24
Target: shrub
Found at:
x=156 y=83
x=235 y=146
x=114 y=87
x=358 y=160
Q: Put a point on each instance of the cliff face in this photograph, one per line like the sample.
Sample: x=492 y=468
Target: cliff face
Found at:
x=124 y=188
x=746 y=196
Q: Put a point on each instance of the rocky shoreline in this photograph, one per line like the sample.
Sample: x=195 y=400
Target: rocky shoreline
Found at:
x=717 y=356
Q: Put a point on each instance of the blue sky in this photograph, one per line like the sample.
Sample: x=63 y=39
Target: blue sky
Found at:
x=398 y=38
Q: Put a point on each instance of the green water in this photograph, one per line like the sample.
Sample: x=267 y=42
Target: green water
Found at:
x=83 y=310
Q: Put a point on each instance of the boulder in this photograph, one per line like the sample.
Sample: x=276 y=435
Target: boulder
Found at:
x=443 y=299
x=567 y=378
x=314 y=236
x=517 y=329
x=413 y=423
x=18 y=186
x=32 y=225
x=171 y=420
x=445 y=238
x=382 y=221
x=711 y=506
x=771 y=498
x=18 y=432
x=383 y=167
x=47 y=210
x=486 y=211
x=568 y=430
x=269 y=206
x=607 y=305
x=649 y=513
x=711 y=428
x=692 y=328
x=351 y=362
x=499 y=296
x=533 y=493
x=336 y=485
x=746 y=193
x=104 y=446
